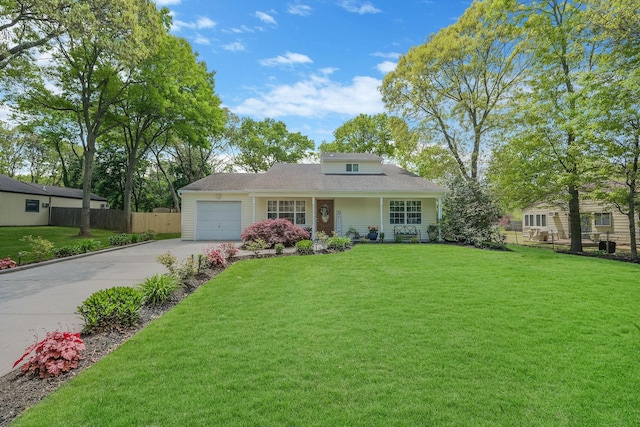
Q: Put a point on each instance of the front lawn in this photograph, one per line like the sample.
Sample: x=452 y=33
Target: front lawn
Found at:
x=385 y=335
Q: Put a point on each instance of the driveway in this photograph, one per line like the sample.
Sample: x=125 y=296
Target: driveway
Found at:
x=44 y=298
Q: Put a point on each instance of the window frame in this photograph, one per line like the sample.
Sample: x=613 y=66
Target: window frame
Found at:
x=32 y=205
x=352 y=167
x=598 y=218
x=292 y=210
x=405 y=212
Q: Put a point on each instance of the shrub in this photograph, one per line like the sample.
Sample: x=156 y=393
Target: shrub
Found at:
x=304 y=247
x=135 y=238
x=58 y=352
x=216 y=258
x=169 y=260
x=275 y=231
x=279 y=247
x=228 y=249
x=89 y=245
x=148 y=235
x=7 y=263
x=40 y=248
x=111 y=309
x=121 y=239
x=187 y=268
x=158 y=288
x=66 y=251
x=256 y=246
x=338 y=243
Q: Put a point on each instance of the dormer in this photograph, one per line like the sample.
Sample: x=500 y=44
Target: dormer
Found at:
x=351 y=164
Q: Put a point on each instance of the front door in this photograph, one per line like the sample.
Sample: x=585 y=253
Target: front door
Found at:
x=324 y=216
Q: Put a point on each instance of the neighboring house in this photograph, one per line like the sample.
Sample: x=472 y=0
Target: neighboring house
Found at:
x=541 y=221
x=26 y=204
x=345 y=190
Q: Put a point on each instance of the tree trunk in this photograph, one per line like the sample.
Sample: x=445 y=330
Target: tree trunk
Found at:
x=85 y=217
x=574 y=220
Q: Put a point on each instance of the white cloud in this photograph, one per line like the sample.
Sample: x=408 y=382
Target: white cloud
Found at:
x=386 y=67
x=167 y=2
x=200 y=39
x=266 y=18
x=299 y=9
x=360 y=7
x=316 y=96
x=241 y=30
x=387 y=55
x=288 y=58
x=328 y=71
x=204 y=22
x=235 y=47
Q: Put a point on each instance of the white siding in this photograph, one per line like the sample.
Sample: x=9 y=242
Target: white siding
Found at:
x=189 y=209
x=13 y=210
x=366 y=168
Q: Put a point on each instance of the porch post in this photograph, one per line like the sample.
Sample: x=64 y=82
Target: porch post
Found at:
x=254 y=209
x=313 y=216
x=439 y=219
x=381 y=214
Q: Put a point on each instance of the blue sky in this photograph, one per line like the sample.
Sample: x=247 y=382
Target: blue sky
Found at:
x=312 y=64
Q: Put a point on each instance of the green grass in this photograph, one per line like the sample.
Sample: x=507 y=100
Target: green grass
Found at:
x=384 y=335
x=11 y=246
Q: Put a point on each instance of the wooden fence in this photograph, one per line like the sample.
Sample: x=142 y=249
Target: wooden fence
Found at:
x=114 y=219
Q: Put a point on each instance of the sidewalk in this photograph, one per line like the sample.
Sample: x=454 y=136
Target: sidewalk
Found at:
x=43 y=297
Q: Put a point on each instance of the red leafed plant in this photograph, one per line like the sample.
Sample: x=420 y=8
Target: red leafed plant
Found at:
x=58 y=352
x=7 y=263
x=216 y=258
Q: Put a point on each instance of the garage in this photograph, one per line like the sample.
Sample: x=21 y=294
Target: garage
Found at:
x=218 y=220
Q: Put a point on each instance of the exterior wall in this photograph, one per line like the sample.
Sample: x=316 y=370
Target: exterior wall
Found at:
x=190 y=199
x=65 y=202
x=13 y=210
x=364 y=168
x=559 y=221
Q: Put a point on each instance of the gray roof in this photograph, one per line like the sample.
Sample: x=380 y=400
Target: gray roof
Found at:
x=10 y=185
x=352 y=157
x=285 y=177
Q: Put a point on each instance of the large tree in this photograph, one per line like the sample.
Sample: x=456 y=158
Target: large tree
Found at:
x=363 y=134
x=261 y=144
x=92 y=65
x=453 y=86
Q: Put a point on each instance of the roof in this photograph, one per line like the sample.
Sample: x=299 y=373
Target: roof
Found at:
x=353 y=157
x=309 y=177
x=10 y=185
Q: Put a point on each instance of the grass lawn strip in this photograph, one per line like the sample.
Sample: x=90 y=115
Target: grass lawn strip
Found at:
x=380 y=335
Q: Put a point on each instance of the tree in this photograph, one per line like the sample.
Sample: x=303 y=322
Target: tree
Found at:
x=470 y=214
x=454 y=85
x=29 y=24
x=363 y=134
x=12 y=157
x=549 y=157
x=174 y=95
x=262 y=144
x=92 y=65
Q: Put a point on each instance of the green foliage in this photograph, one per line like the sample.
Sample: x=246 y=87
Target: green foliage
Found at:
x=471 y=215
x=338 y=243
x=67 y=251
x=89 y=245
x=279 y=247
x=169 y=260
x=304 y=247
x=256 y=246
x=148 y=235
x=262 y=144
x=362 y=134
x=157 y=289
x=124 y=239
x=41 y=248
x=115 y=308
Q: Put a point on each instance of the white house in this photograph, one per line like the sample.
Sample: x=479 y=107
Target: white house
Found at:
x=345 y=190
x=29 y=204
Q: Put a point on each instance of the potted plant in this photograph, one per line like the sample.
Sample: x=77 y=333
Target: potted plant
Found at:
x=353 y=233
x=373 y=232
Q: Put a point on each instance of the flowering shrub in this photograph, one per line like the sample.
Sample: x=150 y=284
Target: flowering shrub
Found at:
x=275 y=231
x=40 y=248
x=229 y=249
x=216 y=258
x=58 y=352
x=7 y=263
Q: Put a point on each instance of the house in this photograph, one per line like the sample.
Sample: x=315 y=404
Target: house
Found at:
x=28 y=204
x=343 y=191
x=600 y=221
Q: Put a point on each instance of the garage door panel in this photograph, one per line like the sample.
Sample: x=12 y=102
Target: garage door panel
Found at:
x=218 y=221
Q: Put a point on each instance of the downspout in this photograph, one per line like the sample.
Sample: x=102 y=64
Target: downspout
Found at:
x=49 y=221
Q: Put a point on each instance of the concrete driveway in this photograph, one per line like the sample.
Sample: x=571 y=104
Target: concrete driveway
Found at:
x=44 y=298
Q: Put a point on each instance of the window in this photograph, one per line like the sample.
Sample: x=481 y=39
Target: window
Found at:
x=405 y=212
x=352 y=167
x=293 y=210
x=603 y=219
x=539 y=220
x=32 y=205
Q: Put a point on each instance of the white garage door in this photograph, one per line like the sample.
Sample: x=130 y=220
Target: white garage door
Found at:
x=218 y=221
